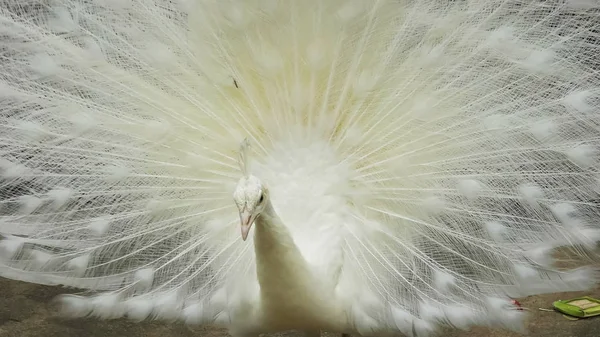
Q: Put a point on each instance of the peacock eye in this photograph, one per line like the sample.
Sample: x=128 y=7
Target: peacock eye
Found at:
x=262 y=197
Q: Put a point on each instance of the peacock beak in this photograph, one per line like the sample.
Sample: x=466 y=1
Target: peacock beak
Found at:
x=246 y=219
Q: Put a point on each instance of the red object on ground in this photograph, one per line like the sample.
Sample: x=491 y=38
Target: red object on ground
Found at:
x=519 y=307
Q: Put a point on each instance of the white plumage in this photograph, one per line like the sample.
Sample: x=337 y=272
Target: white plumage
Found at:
x=411 y=163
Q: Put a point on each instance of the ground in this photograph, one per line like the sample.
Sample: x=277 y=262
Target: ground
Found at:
x=26 y=310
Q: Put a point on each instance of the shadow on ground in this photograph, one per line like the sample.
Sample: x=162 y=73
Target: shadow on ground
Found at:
x=26 y=310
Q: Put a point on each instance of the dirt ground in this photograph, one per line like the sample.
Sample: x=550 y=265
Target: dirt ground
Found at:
x=26 y=310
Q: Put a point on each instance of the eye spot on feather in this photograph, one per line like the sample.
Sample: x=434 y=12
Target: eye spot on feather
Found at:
x=168 y=305
x=144 y=278
x=138 y=308
x=501 y=38
x=99 y=226
x=430 y=312
x=496 y=230
x=541 y=256
x=78 y=265
x=496 y=304
x=582 y=155
x=43 y=65
x=75 y=306
x=434 y=204
x=107 y=306
x=543 y=130
x=578 y=100
x=525 y=272
x=60 y=196
x=81 y=123
x=117 y=173
x=193 y=313
x=12 y=170
x=11 y=245
x=470 y=188
x=17 y=171
x=443 y=280
x=531 y=193
x=462 y=315
x=565 y=212
x=539 y=60
x=495 y=122
x=40 y=258
x=32 y=131
x=29 y=204
x=402 y=318
x=154 y=206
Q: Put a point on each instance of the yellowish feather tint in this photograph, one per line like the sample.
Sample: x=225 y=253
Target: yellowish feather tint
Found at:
x=424 y=159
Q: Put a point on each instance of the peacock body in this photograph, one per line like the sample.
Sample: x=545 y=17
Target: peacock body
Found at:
x=394 y=165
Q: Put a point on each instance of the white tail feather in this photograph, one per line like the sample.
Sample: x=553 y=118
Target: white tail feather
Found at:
x=429 y=159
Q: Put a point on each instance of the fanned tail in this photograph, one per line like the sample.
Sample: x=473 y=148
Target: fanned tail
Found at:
x=112 y=179
x=459 y=146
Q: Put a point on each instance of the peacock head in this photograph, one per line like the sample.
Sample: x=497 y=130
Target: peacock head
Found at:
x=251 y=198
x=250 y=195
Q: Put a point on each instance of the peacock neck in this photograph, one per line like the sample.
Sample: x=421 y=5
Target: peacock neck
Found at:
x=281 y=268
x=271 y=233
x=289 y=291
